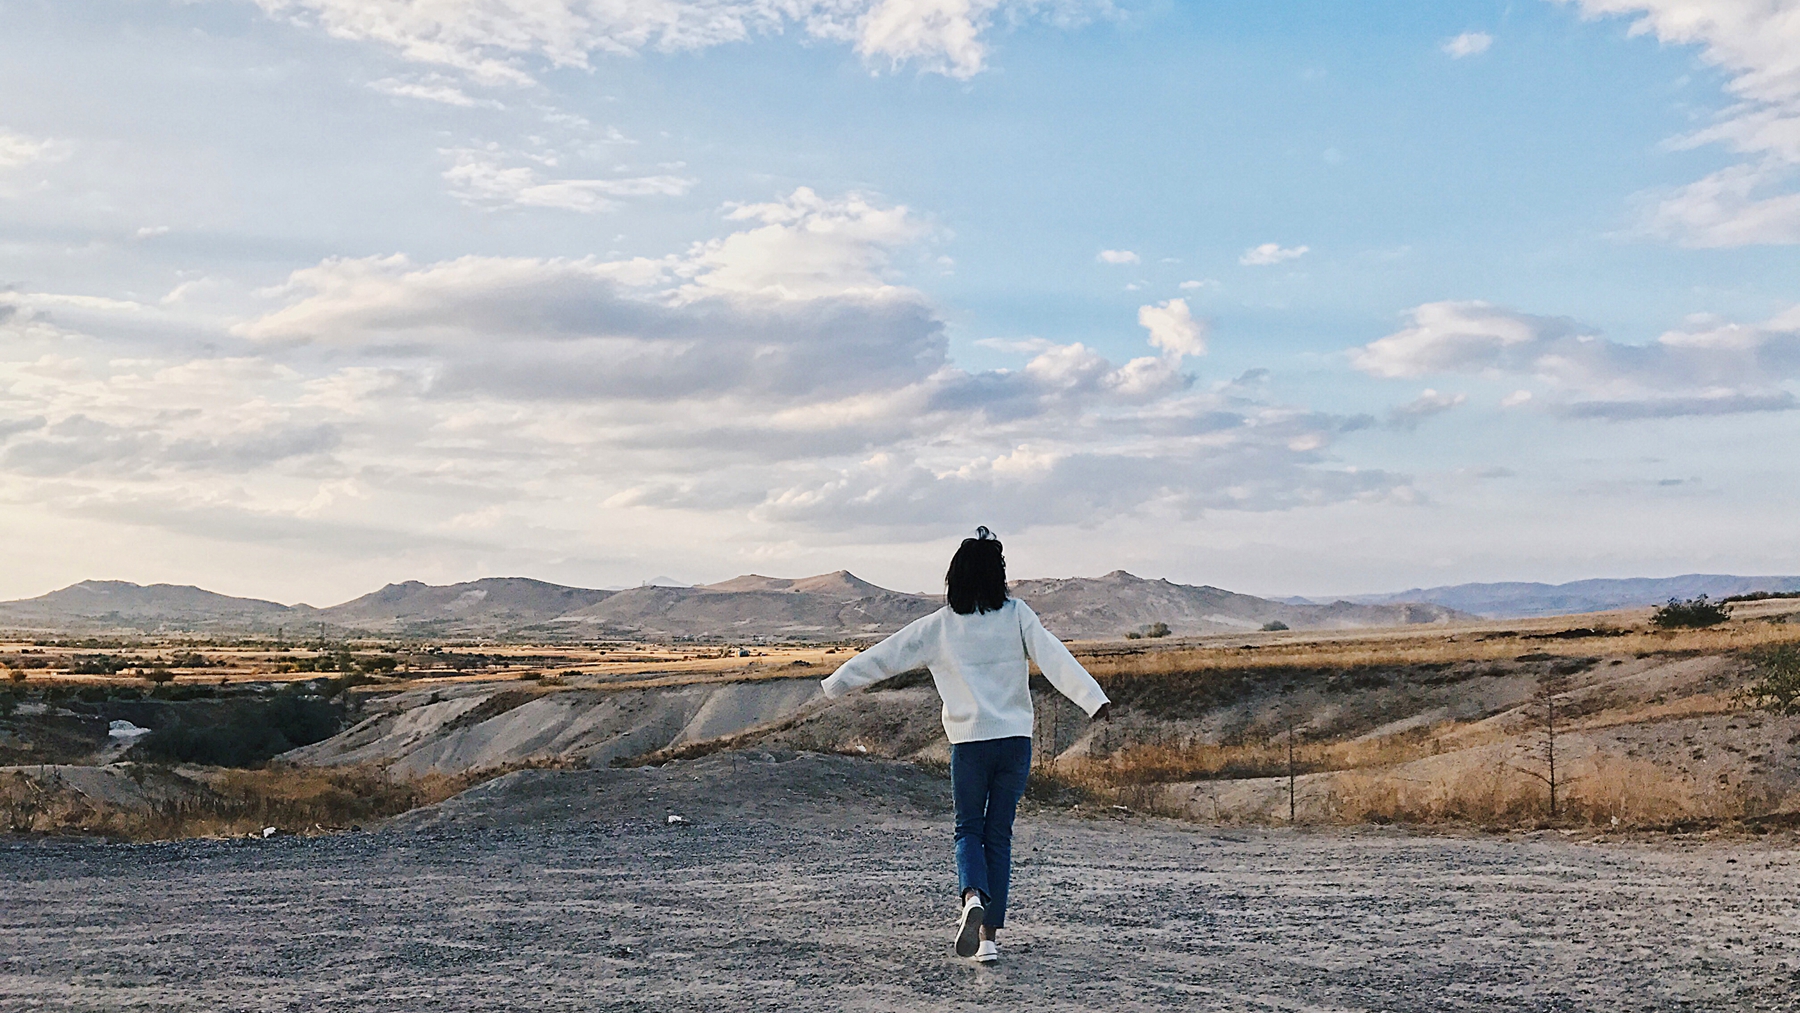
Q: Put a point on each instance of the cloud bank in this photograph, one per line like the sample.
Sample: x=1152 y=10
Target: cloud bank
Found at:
x=780 y=378
x=1709 y=368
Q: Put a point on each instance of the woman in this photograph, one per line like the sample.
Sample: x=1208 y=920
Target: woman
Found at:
x=976 y=648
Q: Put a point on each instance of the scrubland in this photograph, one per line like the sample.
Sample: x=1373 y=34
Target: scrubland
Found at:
x=1640 y=729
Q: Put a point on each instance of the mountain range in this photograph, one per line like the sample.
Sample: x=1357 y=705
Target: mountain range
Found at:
x=828 y=606
x=1518 y=599
x=750 y=607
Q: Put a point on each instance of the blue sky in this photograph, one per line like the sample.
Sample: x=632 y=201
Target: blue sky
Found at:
x=302 y=296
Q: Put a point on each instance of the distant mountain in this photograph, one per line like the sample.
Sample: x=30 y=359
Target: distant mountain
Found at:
x=109 y=604
x=827 y=606
x=1515 y=599
x=492 y=604
x=1119 y=602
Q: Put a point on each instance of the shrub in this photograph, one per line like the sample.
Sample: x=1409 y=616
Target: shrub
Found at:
x=1778 y=685
x=98 y=664
x=159 y=675
x=18 y=675
x=1157 y=630
x=1274 y=626
x=1693 y=614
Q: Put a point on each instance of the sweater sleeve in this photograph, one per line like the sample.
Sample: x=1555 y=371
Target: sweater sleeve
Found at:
x=1058 y=665
x=902 y=652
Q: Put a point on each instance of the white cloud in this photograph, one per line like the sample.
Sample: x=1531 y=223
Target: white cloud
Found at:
x=1468 y=44
x=1198 y=283
x=1173 y=328
x=486 y=39
x=780 y=381
x=1428 y=403
x=1117 y=257
x=18 y=150
x=433 y=88
x=1709 y=368
x=1271 y=253
x=479 y=177
x=1757 y=43
x=1515 y=399
x=1731 y=207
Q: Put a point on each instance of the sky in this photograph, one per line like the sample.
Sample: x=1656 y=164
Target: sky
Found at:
x=301 y=297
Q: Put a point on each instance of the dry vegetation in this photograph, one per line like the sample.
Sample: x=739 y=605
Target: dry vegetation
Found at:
x=208 y=802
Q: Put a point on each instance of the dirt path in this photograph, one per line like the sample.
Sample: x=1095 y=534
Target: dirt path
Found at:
x=824 y=884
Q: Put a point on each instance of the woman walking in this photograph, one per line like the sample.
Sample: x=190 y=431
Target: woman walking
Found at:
x=976 y=648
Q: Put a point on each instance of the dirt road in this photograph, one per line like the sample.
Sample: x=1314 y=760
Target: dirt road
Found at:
x=822 y=883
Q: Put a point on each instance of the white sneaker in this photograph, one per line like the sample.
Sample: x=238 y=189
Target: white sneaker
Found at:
x=989 y=952
x=968 y=930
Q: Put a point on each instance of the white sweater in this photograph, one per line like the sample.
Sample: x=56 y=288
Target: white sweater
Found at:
x=978 y=663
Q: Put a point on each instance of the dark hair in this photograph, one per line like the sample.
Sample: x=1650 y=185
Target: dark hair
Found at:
x=976 y=581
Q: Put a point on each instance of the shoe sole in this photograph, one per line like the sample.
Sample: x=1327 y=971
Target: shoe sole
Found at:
x=992 y=958
x=968 y=935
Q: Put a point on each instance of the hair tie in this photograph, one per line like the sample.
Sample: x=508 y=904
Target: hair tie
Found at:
x=982 y=534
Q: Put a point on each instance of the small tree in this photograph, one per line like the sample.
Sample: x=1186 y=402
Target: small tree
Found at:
x=1274 y=626
x=1777 y=687
x=1692 y=614
x=1545 y=698
x=159 y=675
x=1156 y=630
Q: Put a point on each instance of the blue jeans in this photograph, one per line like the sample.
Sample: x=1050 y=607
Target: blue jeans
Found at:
x=987 y=779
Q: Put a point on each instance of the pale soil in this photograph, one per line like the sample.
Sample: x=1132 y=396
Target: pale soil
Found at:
x=824 y=883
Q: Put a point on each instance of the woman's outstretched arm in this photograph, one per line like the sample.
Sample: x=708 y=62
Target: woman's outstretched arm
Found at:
x=902 y=652
x=1059 y=666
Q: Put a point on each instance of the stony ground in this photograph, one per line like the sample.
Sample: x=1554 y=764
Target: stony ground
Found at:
x=817 y=883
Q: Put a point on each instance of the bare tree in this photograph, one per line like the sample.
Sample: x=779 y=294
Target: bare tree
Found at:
x=1544 y=701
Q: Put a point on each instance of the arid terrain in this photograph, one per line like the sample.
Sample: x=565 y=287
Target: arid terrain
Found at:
x=812 y=882
x=1338 y=820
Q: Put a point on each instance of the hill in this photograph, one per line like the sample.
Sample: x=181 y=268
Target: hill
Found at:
x=1110 y=606
x=830 y=605
x=492 y=604
x=109 y=604
x=1520 y=599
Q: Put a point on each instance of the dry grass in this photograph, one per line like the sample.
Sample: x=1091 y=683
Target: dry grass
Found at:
x=1609 y=791
x=1153 y=763
x=1387 y=648
x=227 y=803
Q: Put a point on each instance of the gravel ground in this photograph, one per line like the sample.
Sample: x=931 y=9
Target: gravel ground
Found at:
x=823 y=883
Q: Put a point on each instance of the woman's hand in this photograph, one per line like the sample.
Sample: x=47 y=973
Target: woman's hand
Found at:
x=1104 y=713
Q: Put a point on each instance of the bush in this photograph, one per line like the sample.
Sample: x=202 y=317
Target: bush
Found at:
x=1778 y=684
x=1157 y=630
x=1693 y=614
x=243 y=733
x=1274 y=626
x=159 y=675
x=98 y=664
